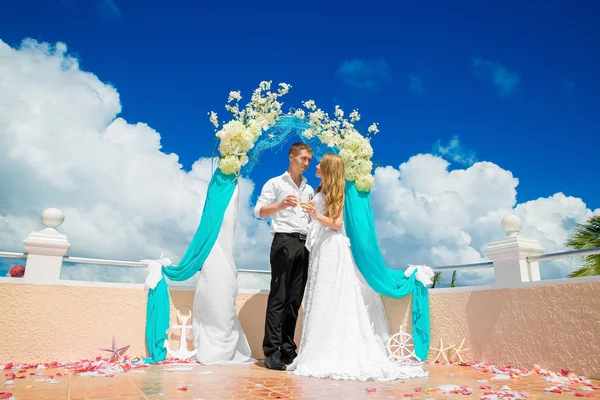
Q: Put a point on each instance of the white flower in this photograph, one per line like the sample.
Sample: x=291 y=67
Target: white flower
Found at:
x=310 y=104
x=254 y=128
x=238 y=135
x=354 y=116
x=309 y=133
x=230 y=130
x=234 y=110
x=228 y=147
x=374 y=129
x=347 y=125
x=365 y=183
x=316 y=116
x=365 y=167
x=214 y=119
x=265 y=85
x=236 y=95
x=230 y=165
x=284 y=88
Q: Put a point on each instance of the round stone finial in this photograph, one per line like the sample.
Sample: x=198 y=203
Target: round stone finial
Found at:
x=53 y=217
x=511 y=224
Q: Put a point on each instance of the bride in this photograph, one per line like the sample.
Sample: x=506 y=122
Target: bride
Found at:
x=344 y=327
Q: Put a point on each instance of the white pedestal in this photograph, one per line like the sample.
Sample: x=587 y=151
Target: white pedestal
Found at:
x=509 y=256
x=45 y=250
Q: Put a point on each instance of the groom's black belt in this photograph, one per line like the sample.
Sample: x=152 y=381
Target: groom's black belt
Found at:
x=301 y=236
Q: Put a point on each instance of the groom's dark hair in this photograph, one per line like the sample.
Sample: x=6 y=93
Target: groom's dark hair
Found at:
x=297 y=147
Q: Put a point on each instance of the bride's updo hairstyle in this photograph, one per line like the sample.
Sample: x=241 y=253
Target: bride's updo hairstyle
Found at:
x=332 y=184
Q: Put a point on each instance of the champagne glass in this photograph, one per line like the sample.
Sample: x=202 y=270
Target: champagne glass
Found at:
x=292 y=210
x=304 y=204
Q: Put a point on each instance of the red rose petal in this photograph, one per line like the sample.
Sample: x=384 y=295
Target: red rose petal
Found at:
x=5 y=395
x=183 y=388
x=418 y=389
x=10 y=376
x=370 y=390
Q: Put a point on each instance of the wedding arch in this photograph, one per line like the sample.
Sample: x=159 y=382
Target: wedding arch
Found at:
x=261 y=125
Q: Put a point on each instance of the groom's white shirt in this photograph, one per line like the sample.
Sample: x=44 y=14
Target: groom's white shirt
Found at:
x=274 y=191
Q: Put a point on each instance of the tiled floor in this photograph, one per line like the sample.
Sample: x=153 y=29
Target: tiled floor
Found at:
x=256 y=382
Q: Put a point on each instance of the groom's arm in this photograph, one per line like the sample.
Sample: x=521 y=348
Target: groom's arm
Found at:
x=266 y=204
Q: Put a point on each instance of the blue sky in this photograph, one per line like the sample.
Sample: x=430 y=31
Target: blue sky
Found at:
x=517 y=82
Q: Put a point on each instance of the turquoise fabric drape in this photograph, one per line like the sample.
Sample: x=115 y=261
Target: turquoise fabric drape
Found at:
x=358 y=221
x=220 y=190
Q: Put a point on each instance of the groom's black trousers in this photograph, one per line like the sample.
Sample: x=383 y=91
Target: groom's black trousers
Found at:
x=289 y=270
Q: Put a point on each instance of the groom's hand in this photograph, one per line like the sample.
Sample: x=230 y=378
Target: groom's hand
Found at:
x=289 y=201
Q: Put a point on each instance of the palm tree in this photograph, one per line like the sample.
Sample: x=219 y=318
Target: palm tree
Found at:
x=436 y=279
x=586 y=236
x=453 y=283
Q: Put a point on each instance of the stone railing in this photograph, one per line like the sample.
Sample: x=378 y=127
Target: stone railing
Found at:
x=518 y=320
x=514 y=259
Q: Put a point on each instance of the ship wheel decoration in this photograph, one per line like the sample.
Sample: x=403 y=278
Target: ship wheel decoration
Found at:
x=401 y=347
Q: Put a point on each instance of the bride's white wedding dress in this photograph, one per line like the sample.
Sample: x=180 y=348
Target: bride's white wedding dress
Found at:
x=344 y=327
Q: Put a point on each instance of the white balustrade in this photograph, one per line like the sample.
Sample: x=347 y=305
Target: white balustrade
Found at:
x=514 y=258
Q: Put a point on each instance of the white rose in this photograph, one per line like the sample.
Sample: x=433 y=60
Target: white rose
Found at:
x=365 y=183
x=230 y=165
x=300 y=114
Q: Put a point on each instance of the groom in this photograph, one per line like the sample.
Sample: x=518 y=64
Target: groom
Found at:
x=279 y=200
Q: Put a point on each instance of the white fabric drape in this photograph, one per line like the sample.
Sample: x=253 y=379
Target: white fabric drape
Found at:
x=218 y=334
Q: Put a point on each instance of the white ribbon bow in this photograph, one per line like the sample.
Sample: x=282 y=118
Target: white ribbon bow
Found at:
x=424 y=274
x=154 y=268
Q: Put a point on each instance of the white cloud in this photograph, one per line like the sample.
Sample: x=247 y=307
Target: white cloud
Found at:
x=425 y=214
x=455 y=151
x=368 y=74
x=416 y=85
x=107 y=10
x=63 y=145
x=505 y=81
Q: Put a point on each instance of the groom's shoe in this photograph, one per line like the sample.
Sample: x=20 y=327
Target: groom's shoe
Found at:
x=274 y=362
x=288 y=359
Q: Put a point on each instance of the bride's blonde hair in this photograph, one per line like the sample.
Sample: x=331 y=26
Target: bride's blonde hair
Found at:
x=332 y=184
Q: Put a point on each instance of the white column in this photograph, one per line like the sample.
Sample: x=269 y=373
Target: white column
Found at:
x=509 y=255
x=45 y=250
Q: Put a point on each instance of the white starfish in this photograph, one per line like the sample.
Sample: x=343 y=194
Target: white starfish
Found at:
x=116 y=352
x=442 y=351
x=459 y=349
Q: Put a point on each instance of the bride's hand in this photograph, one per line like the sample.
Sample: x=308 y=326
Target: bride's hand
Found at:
x=309 y=208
